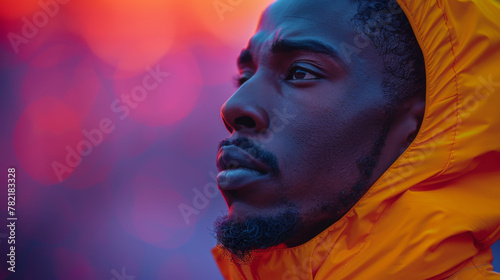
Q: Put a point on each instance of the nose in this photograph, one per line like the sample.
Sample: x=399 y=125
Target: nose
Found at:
x=242 y=112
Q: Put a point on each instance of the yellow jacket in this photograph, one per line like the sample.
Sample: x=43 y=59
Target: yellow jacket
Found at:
x=436 y=211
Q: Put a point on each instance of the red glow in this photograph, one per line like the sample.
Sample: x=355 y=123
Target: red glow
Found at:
x=129 y=35
x=16 y=9
x=41 y=135
x=229 y=20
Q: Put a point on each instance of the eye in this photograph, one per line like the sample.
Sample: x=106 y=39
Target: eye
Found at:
x=300 y=73
x=240 y=79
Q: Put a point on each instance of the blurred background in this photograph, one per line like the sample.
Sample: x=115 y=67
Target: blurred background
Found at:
x=110 y=116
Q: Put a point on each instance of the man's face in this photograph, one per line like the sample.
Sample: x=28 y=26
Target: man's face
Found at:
x=305 y=121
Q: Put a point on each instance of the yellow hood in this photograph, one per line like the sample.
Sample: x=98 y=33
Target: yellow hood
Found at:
x=436 y=211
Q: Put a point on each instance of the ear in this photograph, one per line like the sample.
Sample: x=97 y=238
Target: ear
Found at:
x=406 y=125
x=410 y=120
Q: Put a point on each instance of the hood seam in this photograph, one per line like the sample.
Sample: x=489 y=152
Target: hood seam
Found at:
x=456 y=95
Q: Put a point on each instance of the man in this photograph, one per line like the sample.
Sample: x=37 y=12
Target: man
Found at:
x=332 y=170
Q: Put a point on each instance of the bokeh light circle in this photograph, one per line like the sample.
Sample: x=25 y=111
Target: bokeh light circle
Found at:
x=128 y=34
x=45 y=138
x=64 y=72
x=163 y=94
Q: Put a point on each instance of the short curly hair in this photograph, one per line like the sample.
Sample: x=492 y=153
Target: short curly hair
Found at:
x=389 y=30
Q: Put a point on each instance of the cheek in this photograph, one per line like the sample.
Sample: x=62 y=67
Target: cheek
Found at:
x=311 y=154
x=320 y=149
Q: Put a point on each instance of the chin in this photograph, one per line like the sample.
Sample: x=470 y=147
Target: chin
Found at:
x=243 y=234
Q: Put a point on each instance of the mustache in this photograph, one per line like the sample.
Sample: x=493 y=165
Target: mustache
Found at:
x=256 y=151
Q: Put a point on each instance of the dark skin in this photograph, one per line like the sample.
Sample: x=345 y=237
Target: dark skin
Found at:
x=295 y=64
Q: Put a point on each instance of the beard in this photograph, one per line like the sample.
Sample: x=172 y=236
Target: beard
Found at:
x=241 y=238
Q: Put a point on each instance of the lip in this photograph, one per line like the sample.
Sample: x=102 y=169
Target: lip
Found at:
x=238 y=168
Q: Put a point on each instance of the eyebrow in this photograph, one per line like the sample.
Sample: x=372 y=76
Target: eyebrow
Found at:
x=245 y=57
x=311 y=46
x=287 y=46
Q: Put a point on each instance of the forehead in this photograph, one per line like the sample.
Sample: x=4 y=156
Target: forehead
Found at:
x=327 y=21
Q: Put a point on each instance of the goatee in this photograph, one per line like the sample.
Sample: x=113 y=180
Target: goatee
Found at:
x=242 y=238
